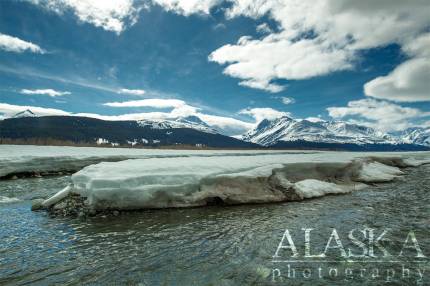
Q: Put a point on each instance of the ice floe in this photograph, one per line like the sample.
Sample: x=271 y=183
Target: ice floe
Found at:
x=311 y=188
x=375 y=172
x=198 y=181
x=27 y=160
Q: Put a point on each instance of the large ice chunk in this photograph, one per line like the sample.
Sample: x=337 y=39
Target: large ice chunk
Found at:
x=197 y=181
x=311 y=188
x=377 y=172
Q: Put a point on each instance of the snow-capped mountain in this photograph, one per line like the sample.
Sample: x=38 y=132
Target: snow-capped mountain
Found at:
x=193 y=122
x=419 y=136
x=270 y=132
x=283 y=132
x=25 y=113
x=85 y=130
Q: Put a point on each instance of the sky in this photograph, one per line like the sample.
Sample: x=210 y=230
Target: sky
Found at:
x=230 y=62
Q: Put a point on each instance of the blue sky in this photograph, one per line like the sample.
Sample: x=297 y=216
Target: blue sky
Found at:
x=230 y=62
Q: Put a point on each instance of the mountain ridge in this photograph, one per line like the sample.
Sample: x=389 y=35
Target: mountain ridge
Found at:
x=116 y=133
x=286 y=129
x=282 y=132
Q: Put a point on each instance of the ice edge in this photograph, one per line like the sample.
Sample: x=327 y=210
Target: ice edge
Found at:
x=264 y=184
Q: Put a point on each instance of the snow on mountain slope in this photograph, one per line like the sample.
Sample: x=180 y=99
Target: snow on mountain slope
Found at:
x=193 y=122
x=419 y=136
x=269 y=132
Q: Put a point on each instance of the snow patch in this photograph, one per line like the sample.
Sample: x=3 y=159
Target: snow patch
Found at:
x=101 y=141
x=377 y=172
x=311 y=188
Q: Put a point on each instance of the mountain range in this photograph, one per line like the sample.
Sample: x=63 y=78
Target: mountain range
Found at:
x=271 y=132
x=84 y=130
x=283 y=132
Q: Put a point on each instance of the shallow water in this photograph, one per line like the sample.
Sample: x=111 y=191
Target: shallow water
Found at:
x=210 y=246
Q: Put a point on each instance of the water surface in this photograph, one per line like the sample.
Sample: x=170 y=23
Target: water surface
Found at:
x=204 y=246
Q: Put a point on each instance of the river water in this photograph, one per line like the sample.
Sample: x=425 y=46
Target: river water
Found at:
x=216 y=245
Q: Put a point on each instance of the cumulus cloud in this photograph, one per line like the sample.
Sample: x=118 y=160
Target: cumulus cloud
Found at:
x=49 y=92
x=188 y=7
x=408 y=82
x=316 y=37
x=117 y=15
x=261 y=113
x=111 y=15
x=258 y=62
x=383 y=115
x=138 y=92
x=13 y=44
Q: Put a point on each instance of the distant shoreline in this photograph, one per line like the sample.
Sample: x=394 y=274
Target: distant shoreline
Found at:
x=293 y=145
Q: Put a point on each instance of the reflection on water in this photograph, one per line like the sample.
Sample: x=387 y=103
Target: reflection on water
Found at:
x=200 y=246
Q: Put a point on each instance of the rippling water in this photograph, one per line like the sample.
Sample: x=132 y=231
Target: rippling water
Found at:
x=202 y=246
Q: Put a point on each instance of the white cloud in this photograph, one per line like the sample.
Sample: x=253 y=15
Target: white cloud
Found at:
x=316 y=37
x=50 y=92
x=383 y=115
x=219 y=26
x=150 y=102
x=258 y=62
x=111 y=15
x=263 y=84
x=263 y=113
x=117 y=15
x=13 y=44
x=132 y=91
x=263 y=28
x=409 y=81
x=9 y=110
x=188 y=7
x=179 y=108
x=128 y=116
x=314 y=119
x=227 y=125
x=287 y=100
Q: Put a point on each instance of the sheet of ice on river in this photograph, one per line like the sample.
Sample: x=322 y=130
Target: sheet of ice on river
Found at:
x=179 y=182
x=15 y=159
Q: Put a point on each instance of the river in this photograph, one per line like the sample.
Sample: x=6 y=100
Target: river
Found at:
x=232 y=245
